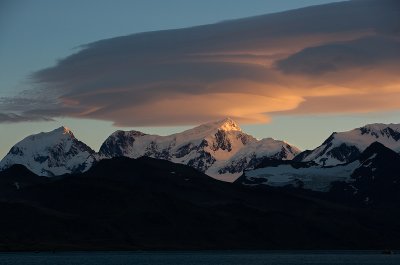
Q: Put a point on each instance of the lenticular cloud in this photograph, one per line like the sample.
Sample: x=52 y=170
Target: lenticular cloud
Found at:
x=301 y=61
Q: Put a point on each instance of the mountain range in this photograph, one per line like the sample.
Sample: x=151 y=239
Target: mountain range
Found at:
x=142 y=192
x=219 y=149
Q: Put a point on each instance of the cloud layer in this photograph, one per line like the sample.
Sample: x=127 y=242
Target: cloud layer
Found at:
x=341 y=57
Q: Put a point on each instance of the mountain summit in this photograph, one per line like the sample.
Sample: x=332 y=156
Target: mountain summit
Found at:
x=50 y=153
x=226 y=124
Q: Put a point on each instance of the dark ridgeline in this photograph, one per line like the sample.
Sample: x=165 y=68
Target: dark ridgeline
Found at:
x=376 y=180
x=146 y=203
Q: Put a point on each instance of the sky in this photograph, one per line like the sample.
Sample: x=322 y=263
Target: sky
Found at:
x=295 y=76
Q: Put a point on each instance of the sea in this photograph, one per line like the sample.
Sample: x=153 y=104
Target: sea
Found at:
x=199 y=257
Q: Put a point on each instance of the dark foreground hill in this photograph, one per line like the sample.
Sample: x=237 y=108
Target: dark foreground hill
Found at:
x=147 y=203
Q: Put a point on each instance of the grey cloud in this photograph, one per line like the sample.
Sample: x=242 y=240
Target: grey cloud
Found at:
x=363 y=52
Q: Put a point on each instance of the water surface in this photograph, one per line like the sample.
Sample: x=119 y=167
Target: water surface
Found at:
x=200 y=257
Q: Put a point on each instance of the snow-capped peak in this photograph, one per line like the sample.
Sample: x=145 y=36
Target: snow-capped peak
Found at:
x=209 y=129
x=66 y=130
x=344 y=147
x=50 y=153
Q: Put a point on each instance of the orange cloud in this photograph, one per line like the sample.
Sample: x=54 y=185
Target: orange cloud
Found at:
x=372 y=102
x=245 y=108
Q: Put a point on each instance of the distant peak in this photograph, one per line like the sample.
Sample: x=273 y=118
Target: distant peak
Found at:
x=66 y=130
x=228 y=124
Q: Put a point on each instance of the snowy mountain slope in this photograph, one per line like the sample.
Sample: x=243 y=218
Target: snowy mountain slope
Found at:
x=344 y=147
x=220 y=149
x=314 y=177
x=253 y=153
x=376 y=163
x=52 y=153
